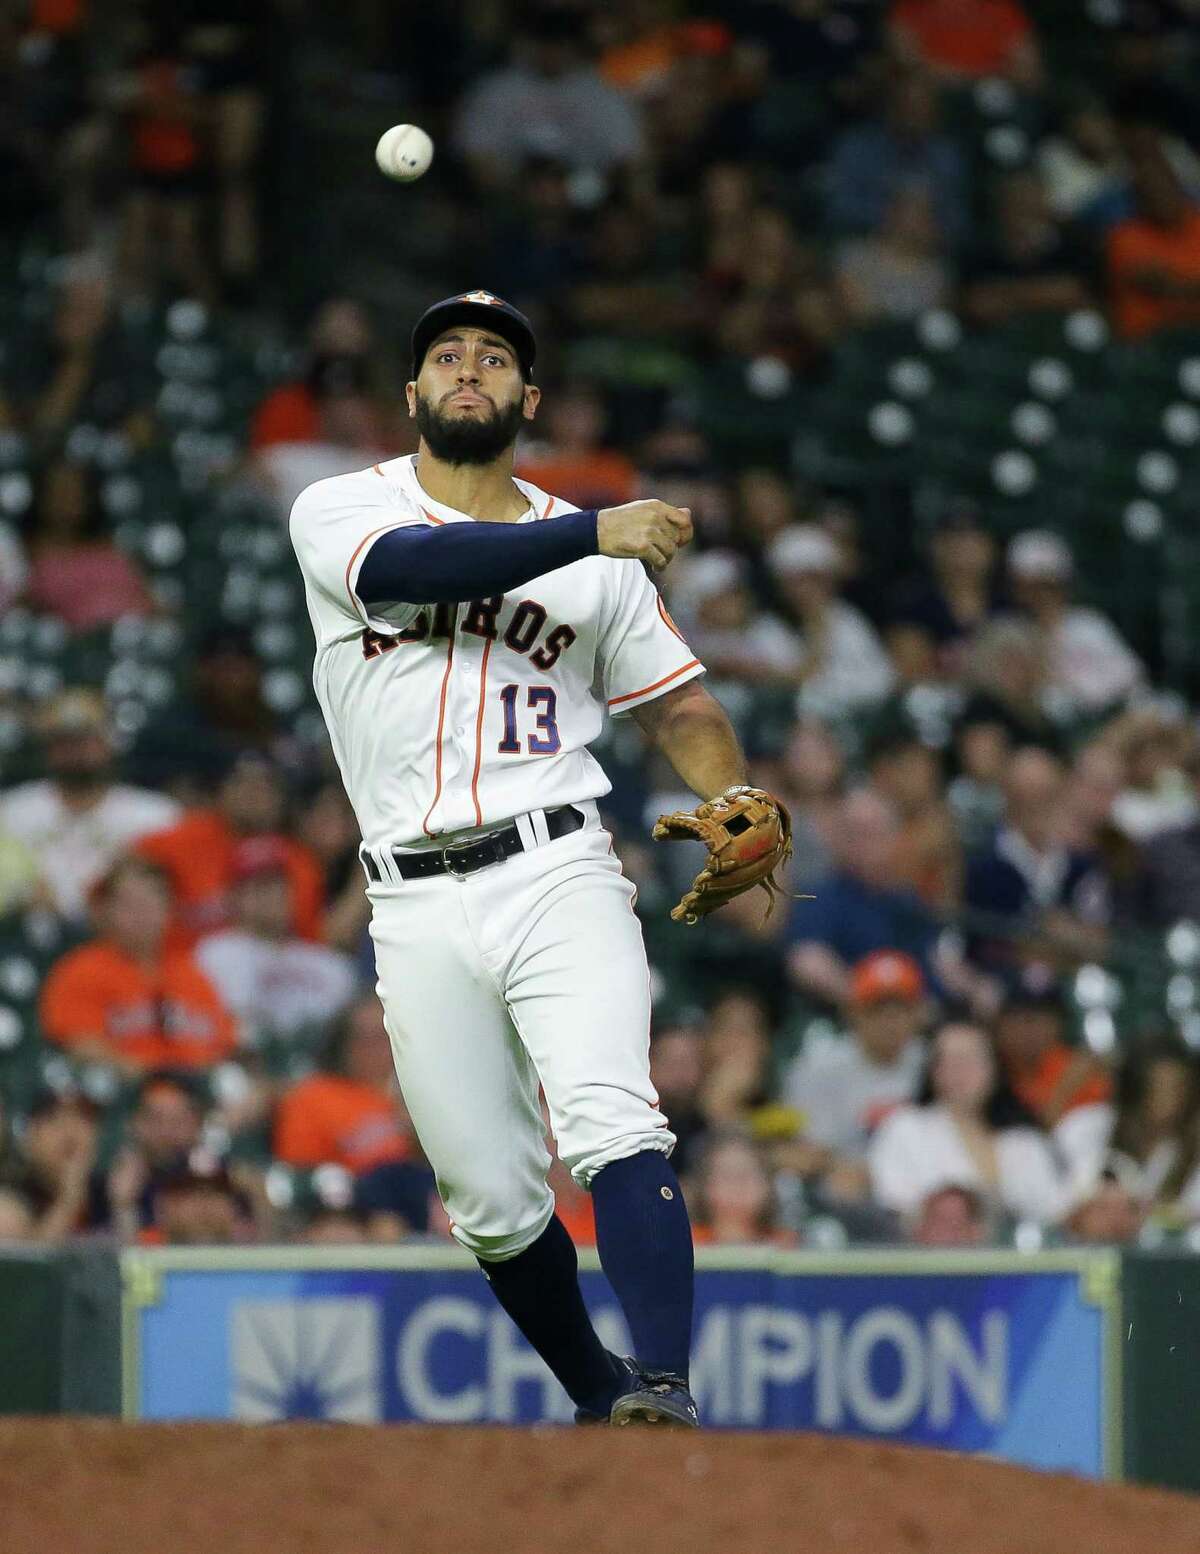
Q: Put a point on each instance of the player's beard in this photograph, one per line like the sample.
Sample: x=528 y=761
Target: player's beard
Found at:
x=469 y=439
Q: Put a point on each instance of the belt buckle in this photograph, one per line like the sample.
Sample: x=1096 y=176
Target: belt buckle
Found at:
x=456 y=847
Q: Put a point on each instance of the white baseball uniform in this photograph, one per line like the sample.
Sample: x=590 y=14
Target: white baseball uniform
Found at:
x=447 y=722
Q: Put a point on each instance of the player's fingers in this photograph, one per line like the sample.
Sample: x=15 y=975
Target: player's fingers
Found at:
x=657 y=557
x=678 y=517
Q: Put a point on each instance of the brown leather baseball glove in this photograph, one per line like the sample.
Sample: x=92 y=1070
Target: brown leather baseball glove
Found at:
x=748 y=835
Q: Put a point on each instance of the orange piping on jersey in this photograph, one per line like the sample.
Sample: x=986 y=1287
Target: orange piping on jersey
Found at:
x=358 y=609
x=666 y=680
x=668 y=622
x=487 y=648
x=549 y=507
x=432 y=519
x=437 y=791
x=378 y=471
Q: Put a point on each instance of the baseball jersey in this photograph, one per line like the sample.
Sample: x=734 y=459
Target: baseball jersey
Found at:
x=452 y=716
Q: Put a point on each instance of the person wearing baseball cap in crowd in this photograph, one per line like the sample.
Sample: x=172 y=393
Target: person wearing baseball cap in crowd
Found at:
x=197 y=852
x=844 y=1085
x=276 y=984
x=128 y=1000
x=845 y=666
x=1088 y=660
x=76 y=819
x=1046 y=1073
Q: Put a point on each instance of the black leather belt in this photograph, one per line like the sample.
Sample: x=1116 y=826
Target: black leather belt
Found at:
x=462 y=858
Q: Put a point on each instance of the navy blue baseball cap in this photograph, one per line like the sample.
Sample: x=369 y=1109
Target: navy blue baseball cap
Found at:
x=481 y=310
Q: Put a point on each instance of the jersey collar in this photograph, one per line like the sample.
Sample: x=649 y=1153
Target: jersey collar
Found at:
x=444 y=514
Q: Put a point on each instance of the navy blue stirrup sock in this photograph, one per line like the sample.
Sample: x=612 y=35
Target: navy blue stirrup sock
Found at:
x=539 y=1288
x=644 y=1238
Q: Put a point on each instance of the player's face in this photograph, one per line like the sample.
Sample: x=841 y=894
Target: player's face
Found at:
x=469 y=400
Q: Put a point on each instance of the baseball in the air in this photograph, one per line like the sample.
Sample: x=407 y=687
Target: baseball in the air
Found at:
x=404 y=152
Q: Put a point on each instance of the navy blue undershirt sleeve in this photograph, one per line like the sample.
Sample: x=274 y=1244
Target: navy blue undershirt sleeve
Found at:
x=463 y=561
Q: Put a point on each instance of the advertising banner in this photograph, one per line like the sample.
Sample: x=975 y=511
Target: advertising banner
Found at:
x=1009 y=1355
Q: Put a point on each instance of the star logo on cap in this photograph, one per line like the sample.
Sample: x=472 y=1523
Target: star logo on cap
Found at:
x=481 y=296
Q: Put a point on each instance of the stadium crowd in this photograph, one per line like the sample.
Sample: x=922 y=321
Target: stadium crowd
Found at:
x=985 y=1025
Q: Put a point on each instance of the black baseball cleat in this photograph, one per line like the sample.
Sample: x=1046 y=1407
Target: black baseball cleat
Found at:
x=626 y=1370
x=657 y=1397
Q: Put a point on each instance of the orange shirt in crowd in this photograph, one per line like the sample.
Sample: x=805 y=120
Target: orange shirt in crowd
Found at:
x=971 y=37
x=1037 y=1087
x=288 y=414
x=197 y=854
x=1138 y=245
x=168 y=1017
x=328 y=1118
x=601 y=478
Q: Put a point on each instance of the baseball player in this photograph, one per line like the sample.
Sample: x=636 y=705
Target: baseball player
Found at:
x=471 y=631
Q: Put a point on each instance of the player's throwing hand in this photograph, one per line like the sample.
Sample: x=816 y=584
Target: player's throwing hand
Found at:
x=646 y=531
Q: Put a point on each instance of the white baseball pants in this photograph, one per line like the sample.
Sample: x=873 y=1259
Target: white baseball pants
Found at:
x=531 y=969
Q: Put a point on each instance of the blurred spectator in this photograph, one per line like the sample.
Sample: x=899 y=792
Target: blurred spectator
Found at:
x=968 y=40
x=1007 y=678
x=326 y=1225
x=349 y=1113
x=77 y=819
x=76 y=570
x=928 y=855
x=76 y=367
x=188 y=746
x=863 y=906
x=165 y=113
x=1148 y=1139
x=399 y=1199
x=733 y=1200
x=845 y=668
x=1171 y=859
x=1029 y=896
x=952 y=1216
x=1027 y=266
x=1089 y=826
x=125 y=999
x=276 y=985
x=810 y=777
x=1088 y=662
x=982 y=744
x=162 y=1134
x=327 y=827
x=546 y=102
x=720 y=616
x=766 y=507
x=199 y=1206
x=197 y=852
x=902 y=150
x=845 y=1085
x=951 y=598
x=1082 y=164
x=1111 y=1215
x=1154 y=256
x=896 y=272
x=347 y=434
x=340 y=333
x=677 y=1074
x=967 y=1131
x=1155 y=749
x=1048 y=1076
x=573 y=458
x=737 y=1058
x=226 y=49
x=59 y=1148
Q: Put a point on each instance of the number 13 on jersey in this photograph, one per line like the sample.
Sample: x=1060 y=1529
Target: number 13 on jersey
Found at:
x=545 y=742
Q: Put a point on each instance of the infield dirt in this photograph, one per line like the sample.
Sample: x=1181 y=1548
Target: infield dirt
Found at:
x=74 y=1486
